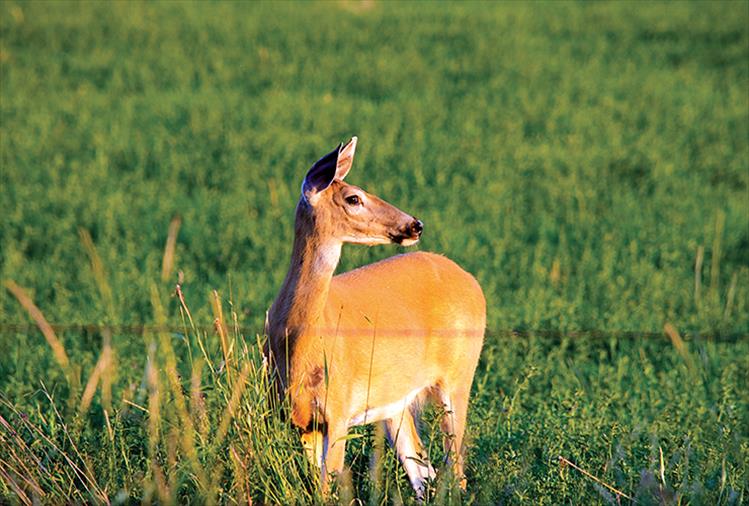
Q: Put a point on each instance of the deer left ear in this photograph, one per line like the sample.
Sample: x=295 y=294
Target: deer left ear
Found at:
x=320 y=175
x=334 y=165
x=345 y=159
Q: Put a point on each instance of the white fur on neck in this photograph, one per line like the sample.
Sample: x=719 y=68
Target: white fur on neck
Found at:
x=328 y=256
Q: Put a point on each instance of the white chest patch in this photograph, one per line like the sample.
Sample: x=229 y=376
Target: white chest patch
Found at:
x=392 y=410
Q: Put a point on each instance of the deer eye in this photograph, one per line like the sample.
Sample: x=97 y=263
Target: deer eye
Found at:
x=353 y=200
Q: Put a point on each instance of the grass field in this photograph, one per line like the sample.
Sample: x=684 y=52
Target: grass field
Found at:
x=587 y=162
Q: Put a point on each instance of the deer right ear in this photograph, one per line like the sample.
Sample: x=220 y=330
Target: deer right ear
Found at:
x=320 y=176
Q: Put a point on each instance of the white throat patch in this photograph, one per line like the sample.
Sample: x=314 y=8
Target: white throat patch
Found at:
x=328 y=256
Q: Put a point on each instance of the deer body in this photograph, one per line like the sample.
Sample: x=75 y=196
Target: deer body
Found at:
x=370 y=344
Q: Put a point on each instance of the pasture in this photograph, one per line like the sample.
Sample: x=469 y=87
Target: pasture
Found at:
x=587 y=162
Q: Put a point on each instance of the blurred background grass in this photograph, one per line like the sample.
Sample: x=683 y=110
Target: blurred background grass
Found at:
x=610 y=140
x=575 y=157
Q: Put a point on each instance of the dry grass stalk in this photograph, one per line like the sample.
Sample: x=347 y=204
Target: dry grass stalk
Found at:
x=110 y=432
x=5 y=470
x=81 y=473
x=58 y=350
x=218 y=314
x=154 y=420
x=679 y=344
x=101 y=366
x=183 y=305
x=85 y=463
x=167 y=262
x=231 y=407
x=19 y=474
x=108 y=372
x=100 y=276
x=197 y=404
x=98 y=269
x=24 y=474
x=619 y=493
x=186 y=437
x=223 y=429
x=241 y=479
x=24 y=454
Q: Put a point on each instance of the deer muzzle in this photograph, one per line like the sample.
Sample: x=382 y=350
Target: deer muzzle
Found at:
x=409 y=234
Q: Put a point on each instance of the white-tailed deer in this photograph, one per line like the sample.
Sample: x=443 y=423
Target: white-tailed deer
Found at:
x=371 y=344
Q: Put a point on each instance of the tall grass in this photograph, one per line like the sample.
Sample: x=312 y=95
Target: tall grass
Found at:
x=638 y=420
x=203 y=428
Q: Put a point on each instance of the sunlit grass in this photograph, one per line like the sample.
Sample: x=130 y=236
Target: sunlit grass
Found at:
x=652 y=420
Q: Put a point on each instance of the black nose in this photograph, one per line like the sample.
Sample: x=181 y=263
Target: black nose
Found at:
x=417 y=227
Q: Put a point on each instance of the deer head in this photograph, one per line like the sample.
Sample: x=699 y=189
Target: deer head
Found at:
x=345 y=212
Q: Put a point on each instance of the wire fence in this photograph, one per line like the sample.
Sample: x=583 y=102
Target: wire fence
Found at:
x=549 y=334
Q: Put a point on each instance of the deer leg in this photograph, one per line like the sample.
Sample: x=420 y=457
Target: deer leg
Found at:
x=402 y=434
x=453 y=426
x=333 y=454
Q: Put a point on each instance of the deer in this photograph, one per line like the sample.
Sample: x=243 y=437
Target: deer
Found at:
x=375 y=343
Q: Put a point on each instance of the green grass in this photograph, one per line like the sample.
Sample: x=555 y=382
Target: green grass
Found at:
x=578 y=158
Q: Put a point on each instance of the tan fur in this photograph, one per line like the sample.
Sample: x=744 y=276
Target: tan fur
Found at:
x=388 y=333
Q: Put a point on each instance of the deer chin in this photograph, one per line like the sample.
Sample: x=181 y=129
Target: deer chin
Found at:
x=367 y=241
x=403 y=240
x=409 y=242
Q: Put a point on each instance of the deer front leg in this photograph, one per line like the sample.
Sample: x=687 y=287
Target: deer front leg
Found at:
x=334 y=452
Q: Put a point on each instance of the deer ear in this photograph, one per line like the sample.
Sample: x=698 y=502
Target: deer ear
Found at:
x=319 y=177
x=345 y=159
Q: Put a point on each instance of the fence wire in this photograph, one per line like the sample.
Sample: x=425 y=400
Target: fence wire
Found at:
x=549 y=334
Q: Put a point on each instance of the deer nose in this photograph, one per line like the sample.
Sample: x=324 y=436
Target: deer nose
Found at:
x=417 y=227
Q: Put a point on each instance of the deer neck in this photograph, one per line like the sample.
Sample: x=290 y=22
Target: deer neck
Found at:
x=304 y=292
